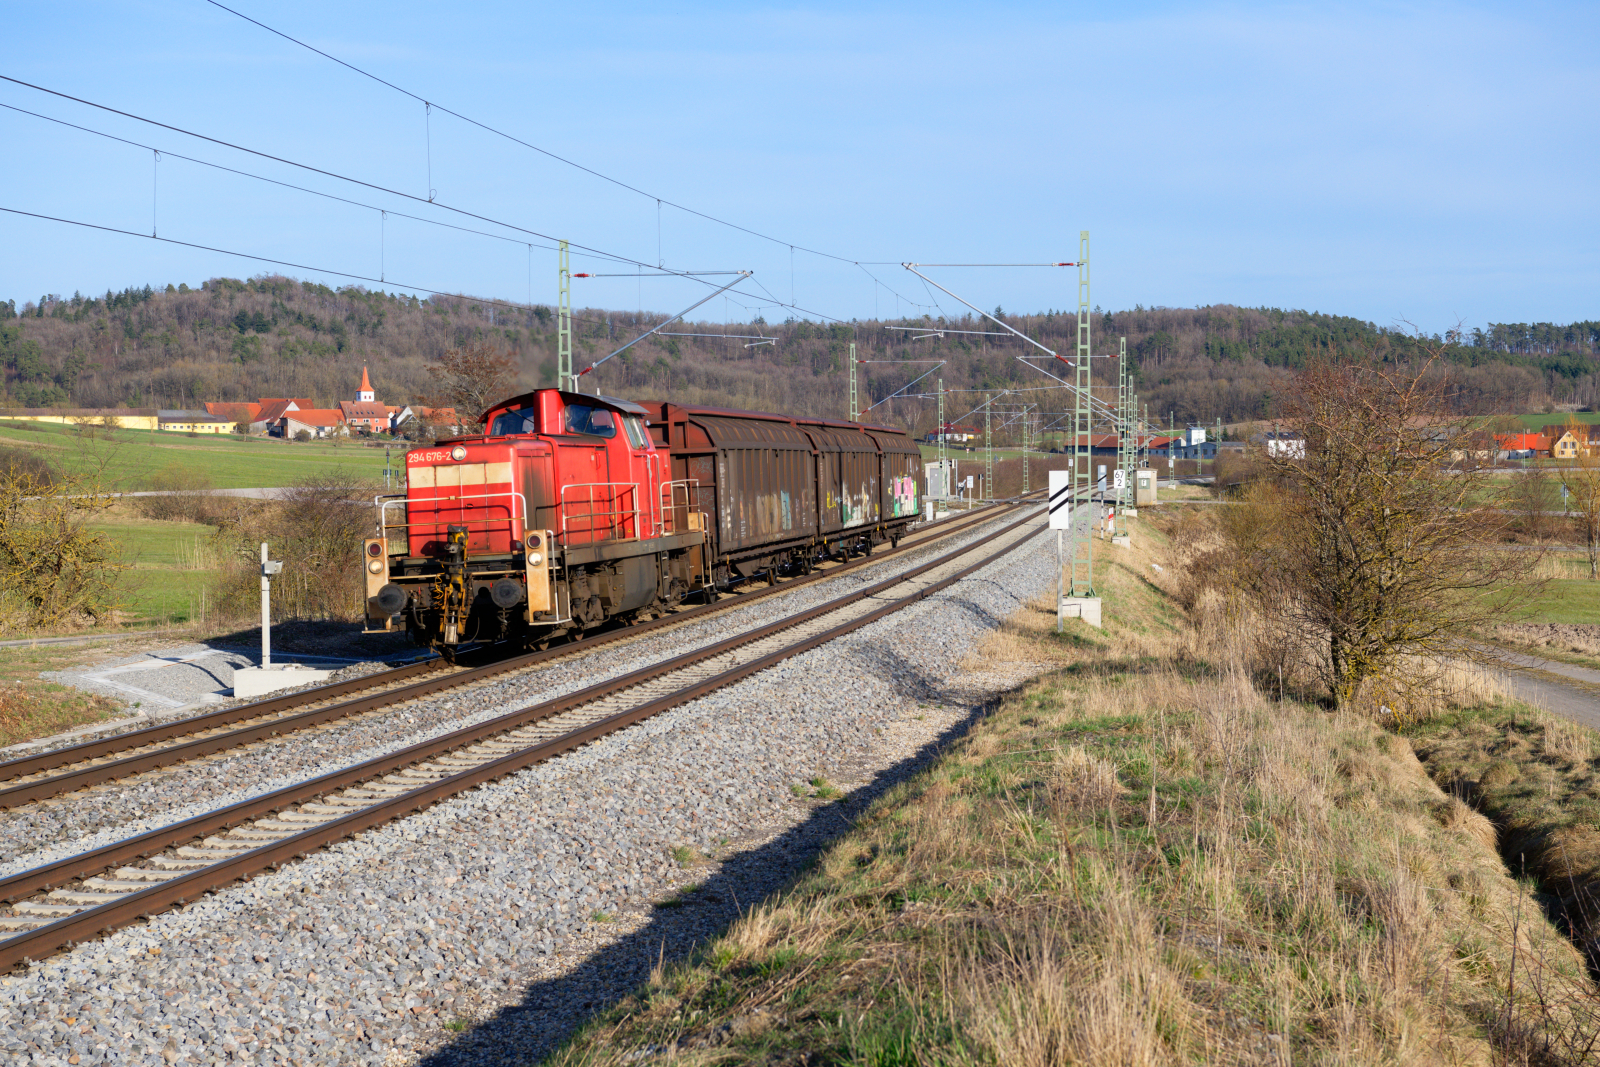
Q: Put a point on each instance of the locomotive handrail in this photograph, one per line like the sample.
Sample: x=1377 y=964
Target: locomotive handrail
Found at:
x=691 y=488
x=592 y=514
x=512 y=516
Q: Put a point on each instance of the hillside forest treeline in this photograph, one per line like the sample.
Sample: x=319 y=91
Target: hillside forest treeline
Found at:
x=231 y=340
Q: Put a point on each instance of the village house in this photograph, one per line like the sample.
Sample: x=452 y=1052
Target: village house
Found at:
x=364 y=414
x=315 y=422
x=174 y=421
x=1285 y=443
x=1522 y=445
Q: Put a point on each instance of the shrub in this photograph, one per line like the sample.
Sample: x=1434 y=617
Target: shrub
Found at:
x=53 y=569
x=185 y=497
x=316 y=528
x=17 y=462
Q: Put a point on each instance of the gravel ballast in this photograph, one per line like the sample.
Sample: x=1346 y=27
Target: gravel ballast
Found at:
x=483 y=929
x=90 y=818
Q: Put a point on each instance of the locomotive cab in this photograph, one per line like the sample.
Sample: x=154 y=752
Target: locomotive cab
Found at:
x=560 y=516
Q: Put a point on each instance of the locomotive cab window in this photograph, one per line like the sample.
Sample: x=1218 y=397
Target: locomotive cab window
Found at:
x=635 y=428
x=598 y=422
x=517 y=420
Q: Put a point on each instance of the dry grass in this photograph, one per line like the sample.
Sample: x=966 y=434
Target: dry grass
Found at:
x=1570 y=642
x=1536 y=775
x=31 y=707
x=1138 y=859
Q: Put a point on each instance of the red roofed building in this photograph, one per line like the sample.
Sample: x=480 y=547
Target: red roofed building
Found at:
x=237 y=413
x=318 y=422
x=443 y=420
x=1536 y=444
x=365 y=415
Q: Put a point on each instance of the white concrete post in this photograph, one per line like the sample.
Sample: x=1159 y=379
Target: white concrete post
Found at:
x=1061 y=611
x=266 y=611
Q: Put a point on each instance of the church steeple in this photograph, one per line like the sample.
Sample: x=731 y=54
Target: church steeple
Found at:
x=365 y=393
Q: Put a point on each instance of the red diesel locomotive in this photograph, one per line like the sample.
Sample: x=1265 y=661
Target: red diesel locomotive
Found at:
x=573 y=509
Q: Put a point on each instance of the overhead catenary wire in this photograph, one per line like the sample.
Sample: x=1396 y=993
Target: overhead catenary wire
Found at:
x=267 y=259
x=596 y=252
x=431 y=200
x=298 y=188
x=430 y=104
x=601 y=253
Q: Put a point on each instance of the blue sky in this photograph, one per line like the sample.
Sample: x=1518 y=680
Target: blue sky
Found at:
x=1399 y=162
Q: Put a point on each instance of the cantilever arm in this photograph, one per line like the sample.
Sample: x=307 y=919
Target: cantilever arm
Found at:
x=912 y=267
x=742 y=276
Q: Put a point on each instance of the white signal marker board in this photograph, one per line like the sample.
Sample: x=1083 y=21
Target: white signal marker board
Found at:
x=1119 y=479
x=1060 y=500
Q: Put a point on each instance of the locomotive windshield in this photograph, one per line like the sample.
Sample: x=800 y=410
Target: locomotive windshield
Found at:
x=597 y=421
x=517 y=420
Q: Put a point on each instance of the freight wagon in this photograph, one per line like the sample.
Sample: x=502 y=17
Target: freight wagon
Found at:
x=571 y=510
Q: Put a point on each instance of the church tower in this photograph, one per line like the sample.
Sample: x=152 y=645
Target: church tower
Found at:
x=365 y=395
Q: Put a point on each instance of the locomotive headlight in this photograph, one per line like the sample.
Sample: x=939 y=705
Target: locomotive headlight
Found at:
x=375 y=566
x=534 y=559
x=458 y=453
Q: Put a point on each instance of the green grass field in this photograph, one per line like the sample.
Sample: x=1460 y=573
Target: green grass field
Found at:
x=169 y=567
x=128 y=459
x=1566 y=600
x=1535 y=421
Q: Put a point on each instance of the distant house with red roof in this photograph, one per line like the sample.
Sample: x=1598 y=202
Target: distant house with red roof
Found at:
x=1523 y=444
x=238 y=413
x=274 y=408
x=318 y=422
x=365 y=415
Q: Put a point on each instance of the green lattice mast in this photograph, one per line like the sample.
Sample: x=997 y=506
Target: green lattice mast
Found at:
x=1124 y=421
x=564 y=376
x=1082 y=481
x=855 y=401
x=988 y=447
x=1027 y=443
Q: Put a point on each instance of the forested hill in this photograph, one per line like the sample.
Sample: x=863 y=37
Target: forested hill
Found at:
x=273 y=336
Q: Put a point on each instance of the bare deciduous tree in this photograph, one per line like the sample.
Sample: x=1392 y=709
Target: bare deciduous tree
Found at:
x=472 y=377
x=1581 y=476
x=1382 y=545
x=1532 y=495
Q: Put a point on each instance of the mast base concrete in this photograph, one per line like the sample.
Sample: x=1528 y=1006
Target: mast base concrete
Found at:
x=1086 y=608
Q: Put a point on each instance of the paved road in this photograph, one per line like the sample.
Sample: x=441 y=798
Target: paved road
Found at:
x=1562 y=688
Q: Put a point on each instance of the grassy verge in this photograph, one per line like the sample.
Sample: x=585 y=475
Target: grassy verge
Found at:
x=31 y=707
x=127 y=459
x=1136 y=859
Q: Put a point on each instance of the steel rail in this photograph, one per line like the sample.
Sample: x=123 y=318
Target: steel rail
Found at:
x=98 y=773
x=67 y=932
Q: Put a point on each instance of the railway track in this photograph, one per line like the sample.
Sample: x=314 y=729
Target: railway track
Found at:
x=60 y=904
x=32 y=779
